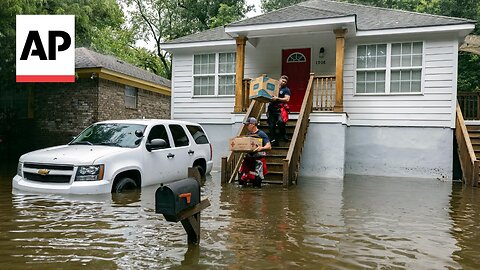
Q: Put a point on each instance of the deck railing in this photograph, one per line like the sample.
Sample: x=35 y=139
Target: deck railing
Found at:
x=231 y=164
x=324 y=93
x=245 y=94
x=468 y=160
x=469 y=104
x=291 y=163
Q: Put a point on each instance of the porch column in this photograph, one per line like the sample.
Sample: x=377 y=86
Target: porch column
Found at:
x=340 y=59
x=239 y=72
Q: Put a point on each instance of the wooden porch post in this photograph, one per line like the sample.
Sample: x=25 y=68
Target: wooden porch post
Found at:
x=239 y=71
x=340 y=59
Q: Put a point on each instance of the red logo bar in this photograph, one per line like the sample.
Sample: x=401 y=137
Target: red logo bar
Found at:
x=45 y=78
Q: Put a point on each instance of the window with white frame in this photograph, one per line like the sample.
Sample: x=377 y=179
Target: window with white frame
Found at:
x=389 y=68
x=214 y=74
x=131 y=96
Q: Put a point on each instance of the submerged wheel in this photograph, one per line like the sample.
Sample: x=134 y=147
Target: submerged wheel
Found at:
x=124 y=184
x=201 y=169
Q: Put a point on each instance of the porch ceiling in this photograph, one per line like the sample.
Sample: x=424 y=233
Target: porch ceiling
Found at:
x=298 y=27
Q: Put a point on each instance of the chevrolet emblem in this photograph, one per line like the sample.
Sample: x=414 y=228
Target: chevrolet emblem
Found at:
x=43 y=171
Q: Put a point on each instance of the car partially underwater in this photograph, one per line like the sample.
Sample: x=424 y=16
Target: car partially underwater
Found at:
x=113 y=156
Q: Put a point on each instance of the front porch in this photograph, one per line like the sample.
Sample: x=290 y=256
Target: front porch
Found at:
x=254 y=57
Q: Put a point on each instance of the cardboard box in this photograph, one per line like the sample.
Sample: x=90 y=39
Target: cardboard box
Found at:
x=263 y=88
x=244 y=144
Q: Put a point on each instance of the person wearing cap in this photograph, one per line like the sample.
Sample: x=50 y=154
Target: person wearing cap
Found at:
x=251 y=124
x=274 y=112
x=254 y=165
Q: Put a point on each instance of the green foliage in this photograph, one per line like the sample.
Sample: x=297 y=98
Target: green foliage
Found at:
x=468 y=72
x=271 y=5
x=162 y=20
x=226 y=14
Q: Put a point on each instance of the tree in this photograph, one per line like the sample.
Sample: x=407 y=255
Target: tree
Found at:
x=162 y=20
x=271 y=5
x=92 y=18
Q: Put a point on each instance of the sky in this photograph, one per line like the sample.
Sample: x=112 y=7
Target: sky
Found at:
x=256 y=11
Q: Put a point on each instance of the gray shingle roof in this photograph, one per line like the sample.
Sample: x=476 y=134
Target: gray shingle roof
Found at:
x=85 y=58
x=214 y=34
x=368 y=18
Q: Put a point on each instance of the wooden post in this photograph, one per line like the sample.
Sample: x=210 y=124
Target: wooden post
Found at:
x=224 y=170
x=239 y=71
x=340 y=59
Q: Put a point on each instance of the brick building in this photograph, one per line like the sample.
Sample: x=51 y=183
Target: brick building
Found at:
x=105 y=88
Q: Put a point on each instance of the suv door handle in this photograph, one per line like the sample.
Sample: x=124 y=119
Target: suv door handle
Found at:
x=170 y=155
x=190 y=152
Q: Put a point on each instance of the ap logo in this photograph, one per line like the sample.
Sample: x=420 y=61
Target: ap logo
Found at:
x=45 y=48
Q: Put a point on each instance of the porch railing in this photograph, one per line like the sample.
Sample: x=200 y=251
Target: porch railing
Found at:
x=324 y=93
x=245 y=93
x=232 y=162
x=469 y=104
x=291 y=163
x=466 y=153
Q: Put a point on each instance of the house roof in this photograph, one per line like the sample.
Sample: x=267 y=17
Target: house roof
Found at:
x=368 y=18
x=85 y=58
x=471 y=44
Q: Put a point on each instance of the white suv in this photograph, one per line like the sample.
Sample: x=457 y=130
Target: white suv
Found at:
x=111 y=156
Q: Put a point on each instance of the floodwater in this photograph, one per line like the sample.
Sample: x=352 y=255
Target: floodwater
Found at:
x=356 y=223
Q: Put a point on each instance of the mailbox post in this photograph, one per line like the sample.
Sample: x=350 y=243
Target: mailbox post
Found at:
x=180 y=201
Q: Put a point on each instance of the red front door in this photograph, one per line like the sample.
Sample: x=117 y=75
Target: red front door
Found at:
x=296 y=65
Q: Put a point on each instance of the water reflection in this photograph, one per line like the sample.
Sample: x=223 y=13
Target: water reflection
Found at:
x=355 y=223
x=465 y=213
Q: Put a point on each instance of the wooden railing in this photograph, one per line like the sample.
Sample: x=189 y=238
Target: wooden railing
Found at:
x=324 y=93
x=291 y=163
x=231 y=164
x=245 y=90
x=468 y=160
x=469 y=104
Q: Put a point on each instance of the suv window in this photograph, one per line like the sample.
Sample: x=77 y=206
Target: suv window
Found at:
x=179 y=136
x=111 y=134
x=198 y=134
x=159 y=132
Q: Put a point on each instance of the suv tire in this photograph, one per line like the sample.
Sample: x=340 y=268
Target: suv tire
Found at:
x=124 y=184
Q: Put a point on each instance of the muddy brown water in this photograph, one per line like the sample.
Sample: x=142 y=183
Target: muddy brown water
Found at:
x=356 y=223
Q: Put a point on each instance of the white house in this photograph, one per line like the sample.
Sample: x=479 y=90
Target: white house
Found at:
x=394 y=84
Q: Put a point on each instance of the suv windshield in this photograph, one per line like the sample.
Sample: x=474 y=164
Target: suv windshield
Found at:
x=112 y=134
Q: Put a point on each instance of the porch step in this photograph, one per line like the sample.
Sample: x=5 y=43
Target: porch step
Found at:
x=274 y=176
x=473 y=128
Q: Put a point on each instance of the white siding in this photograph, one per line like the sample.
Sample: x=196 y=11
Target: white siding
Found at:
x=211 y=110
x=265 y=58
x=433 y=108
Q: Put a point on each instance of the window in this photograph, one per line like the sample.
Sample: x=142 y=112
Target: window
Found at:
x=198 y=134
x=214 y=74
x=179 y=136
x=159 y=132
x=131 y=96
x=389 y=68
x=296 y=58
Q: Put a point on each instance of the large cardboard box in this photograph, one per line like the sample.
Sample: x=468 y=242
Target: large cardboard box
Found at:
x=244 y=144
x=263 y=88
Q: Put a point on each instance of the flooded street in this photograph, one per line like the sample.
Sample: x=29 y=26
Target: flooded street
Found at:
x=357 y=223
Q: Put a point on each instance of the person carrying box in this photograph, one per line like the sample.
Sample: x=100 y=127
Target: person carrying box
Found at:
x=254 y=165
x=277 y=112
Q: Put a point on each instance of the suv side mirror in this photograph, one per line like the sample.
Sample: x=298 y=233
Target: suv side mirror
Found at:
x=155 y=144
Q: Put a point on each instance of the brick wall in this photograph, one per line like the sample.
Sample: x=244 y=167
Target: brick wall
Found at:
x=63 y=110
x=111 y=103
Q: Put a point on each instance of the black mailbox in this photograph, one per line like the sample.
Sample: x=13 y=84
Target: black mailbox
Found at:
x=175 y=197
